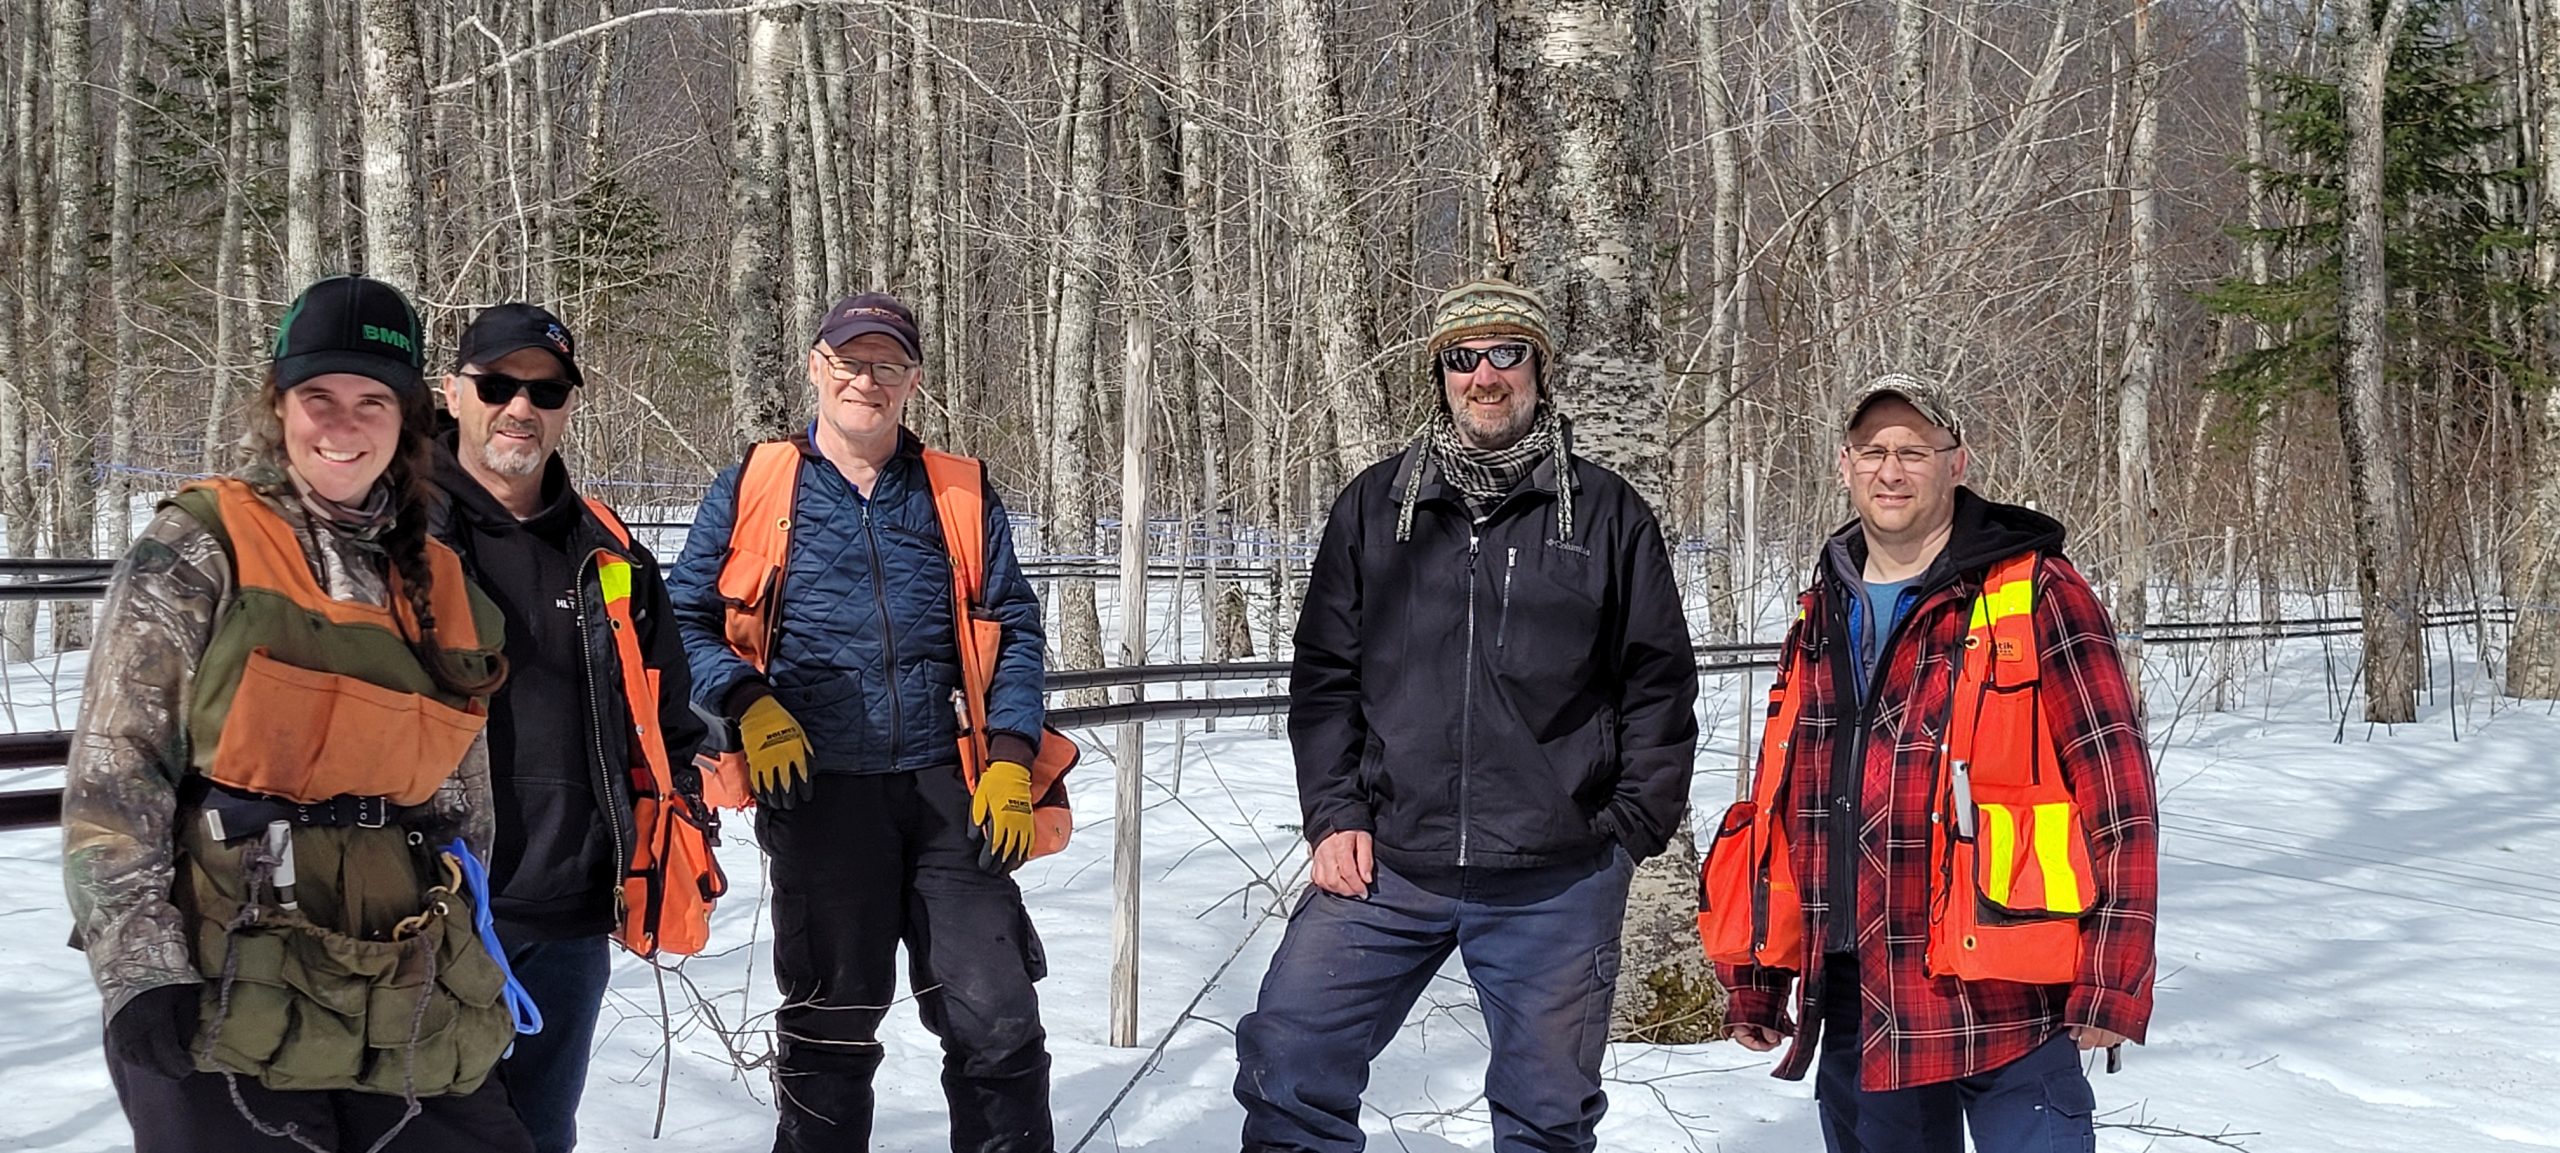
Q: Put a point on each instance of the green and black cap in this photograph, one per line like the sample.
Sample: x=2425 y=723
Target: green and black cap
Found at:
x=351 y=324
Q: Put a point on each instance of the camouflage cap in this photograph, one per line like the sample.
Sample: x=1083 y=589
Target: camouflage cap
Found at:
x=1930 y=403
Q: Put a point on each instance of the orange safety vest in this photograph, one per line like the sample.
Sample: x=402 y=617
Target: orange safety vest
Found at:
x=750 y=585
x=307 y=697
x=2011 y=876
x=672 y=880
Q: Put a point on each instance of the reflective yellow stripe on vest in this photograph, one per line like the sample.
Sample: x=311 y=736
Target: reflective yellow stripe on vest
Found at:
x=2053 y=885
x=2015 y=598
x=615 y=576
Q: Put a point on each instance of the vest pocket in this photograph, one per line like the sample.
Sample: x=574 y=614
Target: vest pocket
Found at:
x=307 y=736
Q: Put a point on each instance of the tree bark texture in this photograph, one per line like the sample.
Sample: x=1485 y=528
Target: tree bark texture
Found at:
x=2368 y=409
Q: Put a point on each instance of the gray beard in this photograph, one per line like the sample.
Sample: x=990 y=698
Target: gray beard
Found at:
x=510 y=462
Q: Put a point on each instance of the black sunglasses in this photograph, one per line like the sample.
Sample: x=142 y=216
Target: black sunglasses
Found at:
x=498 y=390
x=1462 y=359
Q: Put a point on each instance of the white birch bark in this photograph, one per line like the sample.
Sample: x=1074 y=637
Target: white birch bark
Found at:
x=762 y=387
x=1320 y=179
x=2368 y=417
x=392 y=92
x=1573 y=129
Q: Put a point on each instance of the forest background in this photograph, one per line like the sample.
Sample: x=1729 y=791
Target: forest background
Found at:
x=2255 y=295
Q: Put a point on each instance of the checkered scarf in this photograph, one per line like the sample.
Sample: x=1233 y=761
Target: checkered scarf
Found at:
x=1486 y=475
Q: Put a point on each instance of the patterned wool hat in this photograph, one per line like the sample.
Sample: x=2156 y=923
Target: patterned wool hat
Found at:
x=1489 y=307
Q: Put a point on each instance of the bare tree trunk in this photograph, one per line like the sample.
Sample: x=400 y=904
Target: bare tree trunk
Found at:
x=600 y=102
x=18 y=195
x=123 y=281
x=925 y=208
x=887 y=250
x=1224 y=631
x=1720 y=387
x=800 y=186
x=394 y=90
x=2141 y=357
x=1910 y=167
x=2368 y=419
x=2262 y=423
x=231 y=243
x=834 y=248
x=303 y=127
x=542 y=186
x=1573 y=122
x=2533 y=655
x=75 y=167
x=1320 y=175
x=759 y=388
x=1070 y=531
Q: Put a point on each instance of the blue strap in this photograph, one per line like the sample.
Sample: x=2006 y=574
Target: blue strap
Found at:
x=475 y=876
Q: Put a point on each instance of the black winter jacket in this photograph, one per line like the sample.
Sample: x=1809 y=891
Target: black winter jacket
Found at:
x=557 y=862
x=1486 y=693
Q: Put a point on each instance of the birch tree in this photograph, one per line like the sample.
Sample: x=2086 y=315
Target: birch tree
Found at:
x=2141 y=369
x=123 y=275
x=17 y=279
x=303 y=125
x=394 y=88
x=2533 y=657
x=760 y=389
x=1573 y=129
x=75 y=165
x=2367 y=406
x=1070 y=526
x=1320 y=179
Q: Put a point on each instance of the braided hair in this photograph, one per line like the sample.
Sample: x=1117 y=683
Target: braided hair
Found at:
x=415 y=500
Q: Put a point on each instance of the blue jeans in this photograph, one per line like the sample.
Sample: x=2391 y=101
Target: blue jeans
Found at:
x=1540 y=945
x=547 y=1072
x=2039 y=1103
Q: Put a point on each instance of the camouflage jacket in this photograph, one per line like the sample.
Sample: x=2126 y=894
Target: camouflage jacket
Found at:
x=130 y=748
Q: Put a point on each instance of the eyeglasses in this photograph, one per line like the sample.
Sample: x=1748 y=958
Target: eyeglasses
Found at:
x=1870 y=457
x=498 y=390
x=893 y=373
x=1462 y=359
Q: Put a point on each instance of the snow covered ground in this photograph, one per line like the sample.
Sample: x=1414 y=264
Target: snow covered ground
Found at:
x=2357 y=936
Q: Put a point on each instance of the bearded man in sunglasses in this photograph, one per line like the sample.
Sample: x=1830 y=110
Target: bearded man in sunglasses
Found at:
x=558 y=753
x=1491 y=713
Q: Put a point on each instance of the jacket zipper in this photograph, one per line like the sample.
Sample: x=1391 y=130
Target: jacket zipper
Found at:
x=597 y=738
x=1467 y=699
x=1848 y=816
x=888 y=635
x=1510 y=563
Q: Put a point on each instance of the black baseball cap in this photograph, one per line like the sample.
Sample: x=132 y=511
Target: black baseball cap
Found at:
x=871 y=312
x=351 y=324
x=507 y=328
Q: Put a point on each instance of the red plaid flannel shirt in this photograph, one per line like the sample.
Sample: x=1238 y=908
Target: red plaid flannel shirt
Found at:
x=1919 y=1030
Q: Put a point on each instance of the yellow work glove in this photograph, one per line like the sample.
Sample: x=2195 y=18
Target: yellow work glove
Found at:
x=777 y=754
x=1001 y=808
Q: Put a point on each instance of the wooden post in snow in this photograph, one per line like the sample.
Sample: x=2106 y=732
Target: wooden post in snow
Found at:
x=1136 y=407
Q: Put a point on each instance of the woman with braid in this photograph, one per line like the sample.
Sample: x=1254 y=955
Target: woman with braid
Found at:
x=279 y=786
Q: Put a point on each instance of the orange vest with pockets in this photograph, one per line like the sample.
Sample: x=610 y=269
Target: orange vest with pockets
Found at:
x=2011 y=875
x=307 y=734
x=672 y=880
x=750 y=584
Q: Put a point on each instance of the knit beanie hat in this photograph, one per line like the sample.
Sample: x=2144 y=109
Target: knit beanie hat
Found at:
x=1489 y=307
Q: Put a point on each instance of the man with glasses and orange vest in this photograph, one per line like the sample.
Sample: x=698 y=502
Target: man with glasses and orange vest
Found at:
x=1950 y=850
x=601 y=828
x=851 y=603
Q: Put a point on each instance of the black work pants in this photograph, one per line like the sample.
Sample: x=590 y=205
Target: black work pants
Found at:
x=866 y=862
x=195 y=1114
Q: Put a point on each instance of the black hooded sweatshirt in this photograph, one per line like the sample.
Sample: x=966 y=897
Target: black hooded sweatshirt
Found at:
x=553 y=872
